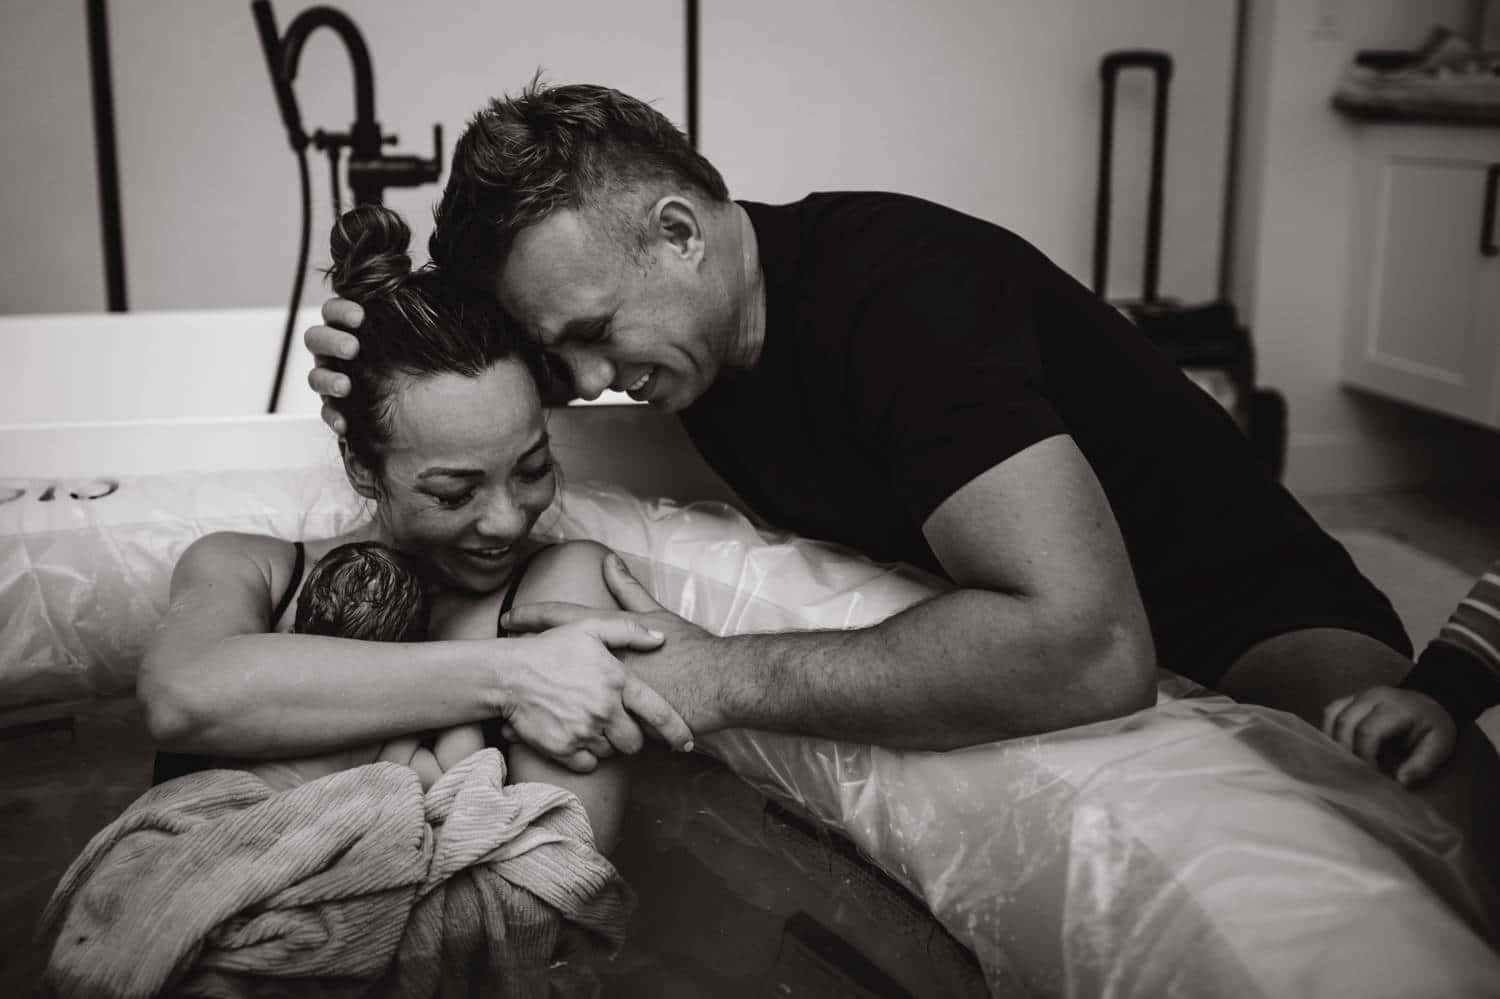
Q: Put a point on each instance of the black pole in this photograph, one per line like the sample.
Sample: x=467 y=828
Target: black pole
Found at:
x=112 y=230
x=1154 y=195
x=690 y=16
x=1227 y=258
x=1104 y=202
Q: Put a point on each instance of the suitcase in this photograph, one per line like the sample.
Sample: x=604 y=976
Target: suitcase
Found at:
x=1206 y=339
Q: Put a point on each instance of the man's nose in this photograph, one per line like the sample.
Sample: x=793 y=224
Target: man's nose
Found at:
x=591 y=374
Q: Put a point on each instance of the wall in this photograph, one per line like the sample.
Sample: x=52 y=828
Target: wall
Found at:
x=208 y=182
x=990 y=106
x=51 y=258
x=1292 y=248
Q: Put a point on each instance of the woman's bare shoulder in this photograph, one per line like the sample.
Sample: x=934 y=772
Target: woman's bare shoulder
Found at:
x=572 y=556
x=234 y=554
x=572 y=571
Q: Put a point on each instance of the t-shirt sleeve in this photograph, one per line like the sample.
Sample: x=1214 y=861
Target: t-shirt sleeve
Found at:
x=946 y=374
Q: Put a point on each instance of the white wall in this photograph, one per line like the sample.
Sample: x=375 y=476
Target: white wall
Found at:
x=51 y=256
x=990 y=106
x=1292 y=248
x=209 y=184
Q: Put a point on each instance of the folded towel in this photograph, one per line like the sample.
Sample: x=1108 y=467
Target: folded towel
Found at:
x=354 y=884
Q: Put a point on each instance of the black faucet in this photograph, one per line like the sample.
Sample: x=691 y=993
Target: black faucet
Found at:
x=370 y=170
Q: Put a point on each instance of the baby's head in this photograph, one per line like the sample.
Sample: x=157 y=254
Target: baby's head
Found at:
x=364 y=590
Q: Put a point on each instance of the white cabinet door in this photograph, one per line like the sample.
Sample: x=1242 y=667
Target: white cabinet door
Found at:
x=1424 y=309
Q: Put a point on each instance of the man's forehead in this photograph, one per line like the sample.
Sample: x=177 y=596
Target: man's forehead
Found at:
x=558 y=271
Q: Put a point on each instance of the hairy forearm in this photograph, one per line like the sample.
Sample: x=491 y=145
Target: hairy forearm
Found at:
x=271 y=695
x=967 y=667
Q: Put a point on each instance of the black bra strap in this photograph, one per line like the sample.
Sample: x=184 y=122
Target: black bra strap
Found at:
x=291 y=589
x=510 y=590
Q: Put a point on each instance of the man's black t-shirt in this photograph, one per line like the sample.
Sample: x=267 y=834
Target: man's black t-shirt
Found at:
x=909 y=348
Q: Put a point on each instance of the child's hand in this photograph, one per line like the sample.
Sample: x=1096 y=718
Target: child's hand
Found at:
x=1400 y=730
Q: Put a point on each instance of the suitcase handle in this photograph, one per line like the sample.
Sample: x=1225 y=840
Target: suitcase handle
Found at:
x=1110 y=67
x=1487 y=245
x=1159 y=63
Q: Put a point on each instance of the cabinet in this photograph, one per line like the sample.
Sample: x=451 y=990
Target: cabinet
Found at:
x=1424 y=282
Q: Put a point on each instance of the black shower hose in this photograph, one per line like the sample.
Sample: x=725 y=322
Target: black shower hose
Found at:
x=291 y=312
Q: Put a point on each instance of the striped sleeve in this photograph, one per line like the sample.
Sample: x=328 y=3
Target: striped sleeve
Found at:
x=1460 y=668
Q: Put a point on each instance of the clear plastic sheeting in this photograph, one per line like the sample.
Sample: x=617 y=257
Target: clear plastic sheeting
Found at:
x=1197 y=848
x=1201 y=847
x=86 y=564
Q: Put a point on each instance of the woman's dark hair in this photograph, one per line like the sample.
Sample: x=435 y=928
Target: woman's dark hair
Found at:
x=416 y=323
x=365 y=590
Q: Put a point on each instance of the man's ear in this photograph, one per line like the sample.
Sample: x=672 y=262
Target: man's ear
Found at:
x=361 y=478
x=675 y=219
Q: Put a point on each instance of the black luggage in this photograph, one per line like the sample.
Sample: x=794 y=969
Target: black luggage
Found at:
x=1206 y=340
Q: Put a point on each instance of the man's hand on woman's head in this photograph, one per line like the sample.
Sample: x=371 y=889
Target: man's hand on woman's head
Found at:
x=335 y=340
x=574 y=702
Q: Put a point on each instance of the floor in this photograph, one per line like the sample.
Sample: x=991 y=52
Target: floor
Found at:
x=1458 y=527
x=817 y=924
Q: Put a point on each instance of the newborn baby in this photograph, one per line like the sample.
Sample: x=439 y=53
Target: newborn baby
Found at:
x=368 y=591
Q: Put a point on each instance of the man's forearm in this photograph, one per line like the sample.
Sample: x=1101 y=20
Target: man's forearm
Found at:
x=967 y=667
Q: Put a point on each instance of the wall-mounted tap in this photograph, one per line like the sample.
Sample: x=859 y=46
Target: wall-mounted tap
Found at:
x=370 y=170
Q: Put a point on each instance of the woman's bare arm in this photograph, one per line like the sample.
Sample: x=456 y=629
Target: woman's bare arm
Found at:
x=214 y=681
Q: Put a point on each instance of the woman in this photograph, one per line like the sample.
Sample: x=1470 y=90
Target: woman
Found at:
x=447 y=438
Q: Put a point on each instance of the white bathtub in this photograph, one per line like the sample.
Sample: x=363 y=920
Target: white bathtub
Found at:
x=148 y=393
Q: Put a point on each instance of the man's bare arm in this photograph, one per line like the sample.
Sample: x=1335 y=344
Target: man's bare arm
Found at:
x=1048 y=630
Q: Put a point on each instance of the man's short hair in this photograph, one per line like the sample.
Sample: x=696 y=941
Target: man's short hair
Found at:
x=580 y=146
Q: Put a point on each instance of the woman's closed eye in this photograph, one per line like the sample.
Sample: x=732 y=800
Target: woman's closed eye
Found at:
x=452 y=501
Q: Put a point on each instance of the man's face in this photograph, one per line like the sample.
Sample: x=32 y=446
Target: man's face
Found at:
x=646 y=324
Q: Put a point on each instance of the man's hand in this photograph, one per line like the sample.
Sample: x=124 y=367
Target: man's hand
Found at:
x=336 y=340
x=681 y=669
x=574 y=702
x=1400 y=730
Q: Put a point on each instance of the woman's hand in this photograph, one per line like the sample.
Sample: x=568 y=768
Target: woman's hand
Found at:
x=334 y=341
x=574 y=702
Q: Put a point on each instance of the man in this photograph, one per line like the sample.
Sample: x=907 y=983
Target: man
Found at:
x=883 y=372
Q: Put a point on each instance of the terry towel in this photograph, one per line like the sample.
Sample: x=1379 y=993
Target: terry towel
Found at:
x=353 y=884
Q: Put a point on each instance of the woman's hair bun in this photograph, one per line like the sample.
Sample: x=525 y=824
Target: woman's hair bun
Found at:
x=369 y=246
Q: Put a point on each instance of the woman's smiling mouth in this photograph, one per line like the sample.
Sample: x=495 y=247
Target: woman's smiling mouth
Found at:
x=488 y=556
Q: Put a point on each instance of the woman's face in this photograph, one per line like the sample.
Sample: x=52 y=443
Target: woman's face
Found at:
x=467 y=472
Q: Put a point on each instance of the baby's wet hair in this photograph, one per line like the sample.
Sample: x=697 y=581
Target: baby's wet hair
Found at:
x=365 y=590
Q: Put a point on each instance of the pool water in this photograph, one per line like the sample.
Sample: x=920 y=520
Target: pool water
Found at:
x=736 y=896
